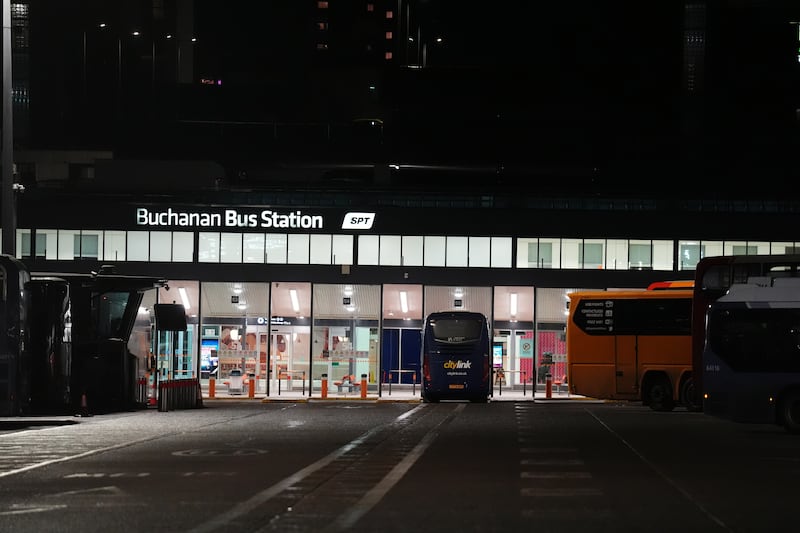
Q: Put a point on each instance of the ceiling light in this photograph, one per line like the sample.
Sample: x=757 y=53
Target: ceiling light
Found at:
x=184 y=297
x=513 y=304
x=404 y=301
x=295 y=301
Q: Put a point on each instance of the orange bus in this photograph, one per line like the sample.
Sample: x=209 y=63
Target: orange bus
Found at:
x=630 y=345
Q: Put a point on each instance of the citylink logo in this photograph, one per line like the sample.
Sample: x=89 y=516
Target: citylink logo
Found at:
x=457 y=364
x=358 y=221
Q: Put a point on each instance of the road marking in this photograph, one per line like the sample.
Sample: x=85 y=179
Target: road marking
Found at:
x=561 y=492
x=35 y=509
x=661 y=474
x=346 y=520
x=555 y=475
x=551 y=462
x=223 y=520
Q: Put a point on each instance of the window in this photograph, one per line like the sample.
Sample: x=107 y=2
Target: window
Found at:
x=457 y=251
x=161 y=246
x=501 y=252
x=480 y=251
x=297 y=250
x=690 y=253
x=342 y=249
x=253 y=248
x=388 y=35
x=640 y=254
x=413 y=246
x=591 y=255
x=368 y=249
x=114 y=246
x=230 y=248
x=183 y=247
x=322 y=4
x=208 y=247
x=138 y=245
x=390 y=250
x=320 y=250
x=434 y=251
x=275 y=247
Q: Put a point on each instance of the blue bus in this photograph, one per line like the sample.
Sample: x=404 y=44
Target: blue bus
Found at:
x=456 y=357
x=751 y=358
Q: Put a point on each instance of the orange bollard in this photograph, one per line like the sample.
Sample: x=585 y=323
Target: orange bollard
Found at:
x=548 y=385
x=324 y=386
x=251 y=393
x=212 y=387
x=363 y=386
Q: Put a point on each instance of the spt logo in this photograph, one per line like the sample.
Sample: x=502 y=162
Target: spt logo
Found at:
x=358 y=221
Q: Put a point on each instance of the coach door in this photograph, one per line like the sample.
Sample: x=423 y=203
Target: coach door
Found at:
x=625 y=365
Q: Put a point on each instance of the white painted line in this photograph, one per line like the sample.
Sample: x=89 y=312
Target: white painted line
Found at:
x=663 y=476
x=555 y=475
x=560 y=492
x=551 y=462
x=346 y=520
x=222 y=520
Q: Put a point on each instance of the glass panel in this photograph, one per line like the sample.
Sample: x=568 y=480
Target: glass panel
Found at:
x=114 y=246
x=434 y=251
x=230 y=248
x=161 y=246
x=47 y=243
x=275 y=246
x=480 y=251
x=342 y=249
x=549 y=256
x=641 y=255
x=761 y=247
x=501 y=252
x=527 y=252
x=592 y=253
x=90 y=244
x=570 y=253
x=183 y=247
x=689 y=255
x=390 y=251
x=297 y=249
x=320 y=250
x=368 y=249
x=780 y=248
x=736 y=248
x=711 y=248
x=413 y=247
x=66 y=244
x=138 y=245
x=253 y=248
x=617 y=254
x=457 y=251
x=663 y=255
x=23 y=243
x=208 y=247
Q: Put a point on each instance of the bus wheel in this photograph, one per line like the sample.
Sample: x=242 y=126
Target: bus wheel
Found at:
x=659 y=395
x=689 y=396
x=791 y=412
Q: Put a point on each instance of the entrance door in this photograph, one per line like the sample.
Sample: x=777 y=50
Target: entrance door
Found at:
x=281 y=356
x=400 y=355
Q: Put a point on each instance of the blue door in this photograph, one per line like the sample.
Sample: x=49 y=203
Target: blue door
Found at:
x=400 y=354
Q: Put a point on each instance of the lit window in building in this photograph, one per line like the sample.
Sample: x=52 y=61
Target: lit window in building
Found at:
x=370 y=7
x=388 y=35
x=390 y=14
x=322 y=46
x=322 y=4
x=322 y=26
x=388 y=56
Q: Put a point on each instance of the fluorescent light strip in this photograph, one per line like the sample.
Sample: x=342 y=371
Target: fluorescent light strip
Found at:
x=404 y=301
x=513 y=304
x=295 y=301
x=184 y=297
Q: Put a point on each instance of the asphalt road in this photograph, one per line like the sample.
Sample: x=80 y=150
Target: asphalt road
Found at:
x=366 y=466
